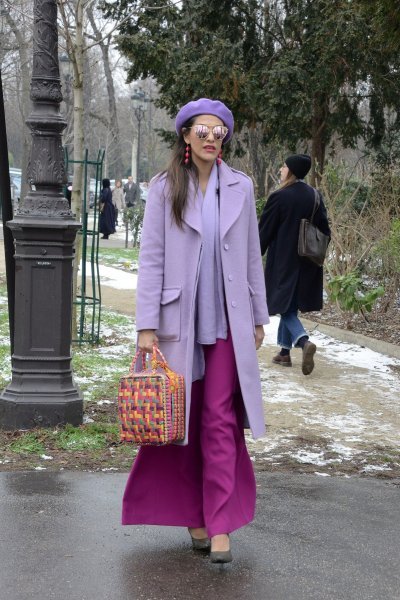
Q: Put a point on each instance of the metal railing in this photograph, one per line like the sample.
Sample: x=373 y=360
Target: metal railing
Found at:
x=88 y=301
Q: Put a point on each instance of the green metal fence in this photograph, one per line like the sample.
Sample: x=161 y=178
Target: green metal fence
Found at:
x=88 y=301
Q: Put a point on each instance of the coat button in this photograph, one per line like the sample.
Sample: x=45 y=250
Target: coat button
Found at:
x=234 y=303
x=230 y=277
x=226 y=246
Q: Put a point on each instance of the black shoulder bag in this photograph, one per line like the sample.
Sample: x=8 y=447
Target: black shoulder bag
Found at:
x=312 y=242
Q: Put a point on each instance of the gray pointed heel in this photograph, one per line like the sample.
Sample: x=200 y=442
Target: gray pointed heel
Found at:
x=202 y=544
x=221 y=556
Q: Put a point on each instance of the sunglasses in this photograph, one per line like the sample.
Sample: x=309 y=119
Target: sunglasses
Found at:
x=203 y=131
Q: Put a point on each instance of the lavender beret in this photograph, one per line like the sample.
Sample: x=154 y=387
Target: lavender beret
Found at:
x=205 y=106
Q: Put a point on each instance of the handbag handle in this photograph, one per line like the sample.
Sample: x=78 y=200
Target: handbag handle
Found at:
x=154 y=361
x=316 y=204
x=132 y=369
x=160 y=364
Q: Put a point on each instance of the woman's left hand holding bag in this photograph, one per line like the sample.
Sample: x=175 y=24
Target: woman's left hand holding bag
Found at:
x=146 y=340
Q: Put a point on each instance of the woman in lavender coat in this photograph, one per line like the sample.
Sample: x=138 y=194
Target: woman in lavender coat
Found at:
x=201 y=299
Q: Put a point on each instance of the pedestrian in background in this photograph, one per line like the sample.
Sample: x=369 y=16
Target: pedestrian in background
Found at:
x=118 y=199
x=132 y=193
x=107 y=213
x=293 y=283
x=201 y=298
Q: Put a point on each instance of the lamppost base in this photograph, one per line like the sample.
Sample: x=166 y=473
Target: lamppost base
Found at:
x=42 y=392
x=33 y=412
x=39 y=410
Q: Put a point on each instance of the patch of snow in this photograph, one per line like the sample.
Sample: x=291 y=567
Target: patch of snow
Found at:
x=313 y=458
x=344 y=451
x=118 y=350
x=115 y=278
x=342 y=352
x=344 y=423
x=321 y=474
x=82 y=380
x=45 y=457
x=128 y=331
x=40 y=468
x=286 y=391
x=372 y=468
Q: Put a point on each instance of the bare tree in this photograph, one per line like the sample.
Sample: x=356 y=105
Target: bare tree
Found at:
x=104 y=40
x=18 y=17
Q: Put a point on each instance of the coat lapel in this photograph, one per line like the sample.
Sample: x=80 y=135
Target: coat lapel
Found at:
x=192 y=212
x=232 y=199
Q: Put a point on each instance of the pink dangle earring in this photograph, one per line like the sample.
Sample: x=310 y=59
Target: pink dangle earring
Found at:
x=187 y=154
x=219 y=159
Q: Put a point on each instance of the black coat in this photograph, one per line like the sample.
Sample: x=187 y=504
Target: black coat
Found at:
x=107 y=212
x=286 y=273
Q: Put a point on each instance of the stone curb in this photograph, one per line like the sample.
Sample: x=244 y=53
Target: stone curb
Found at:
x=351 y=337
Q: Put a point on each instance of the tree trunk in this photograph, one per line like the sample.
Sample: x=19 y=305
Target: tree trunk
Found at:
x=77 y=60
x=25 y=105
x=114 y=160
x=319 y=138
x=257 y=161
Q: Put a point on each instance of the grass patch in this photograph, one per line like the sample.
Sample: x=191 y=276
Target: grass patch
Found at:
x=105 y=390
x=27 y=443
x=112 y=319
x=4 y=321
x=89 y=363
x=94 y=436
x=117 y=256
x=5 y=365
x=5 y=353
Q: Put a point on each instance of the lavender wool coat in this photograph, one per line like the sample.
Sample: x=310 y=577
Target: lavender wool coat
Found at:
x=168 y=273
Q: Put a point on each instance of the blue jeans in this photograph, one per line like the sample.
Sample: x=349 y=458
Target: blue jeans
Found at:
x=290 y=329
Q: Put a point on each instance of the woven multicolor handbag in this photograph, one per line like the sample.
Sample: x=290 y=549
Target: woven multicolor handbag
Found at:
x=151 y=403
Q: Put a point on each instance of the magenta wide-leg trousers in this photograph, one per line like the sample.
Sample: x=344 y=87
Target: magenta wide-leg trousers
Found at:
x=210 y=482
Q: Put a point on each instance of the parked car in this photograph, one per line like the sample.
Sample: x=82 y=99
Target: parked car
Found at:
x=144 y=190
x=16 y=184
x=92 y=192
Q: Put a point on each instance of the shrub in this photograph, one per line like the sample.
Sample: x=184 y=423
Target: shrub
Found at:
x=352 y=295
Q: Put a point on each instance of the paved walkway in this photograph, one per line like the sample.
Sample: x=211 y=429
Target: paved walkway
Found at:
x=312 y=539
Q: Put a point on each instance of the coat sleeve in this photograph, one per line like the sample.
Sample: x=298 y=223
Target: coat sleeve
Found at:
x=269 y=222
x=255 y=273
x=151 y=260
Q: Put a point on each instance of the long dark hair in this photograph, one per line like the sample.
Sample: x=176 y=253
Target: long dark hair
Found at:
x=179 y=175
x=290 y=180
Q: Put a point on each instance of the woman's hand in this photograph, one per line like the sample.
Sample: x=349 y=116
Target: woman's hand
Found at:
x=259 y=336
x=146 y=339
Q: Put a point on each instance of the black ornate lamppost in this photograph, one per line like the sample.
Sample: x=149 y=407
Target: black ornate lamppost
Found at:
x=42 y=391
x=139 y=98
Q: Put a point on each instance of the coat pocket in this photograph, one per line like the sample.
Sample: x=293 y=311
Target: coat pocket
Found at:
x=170 y=315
